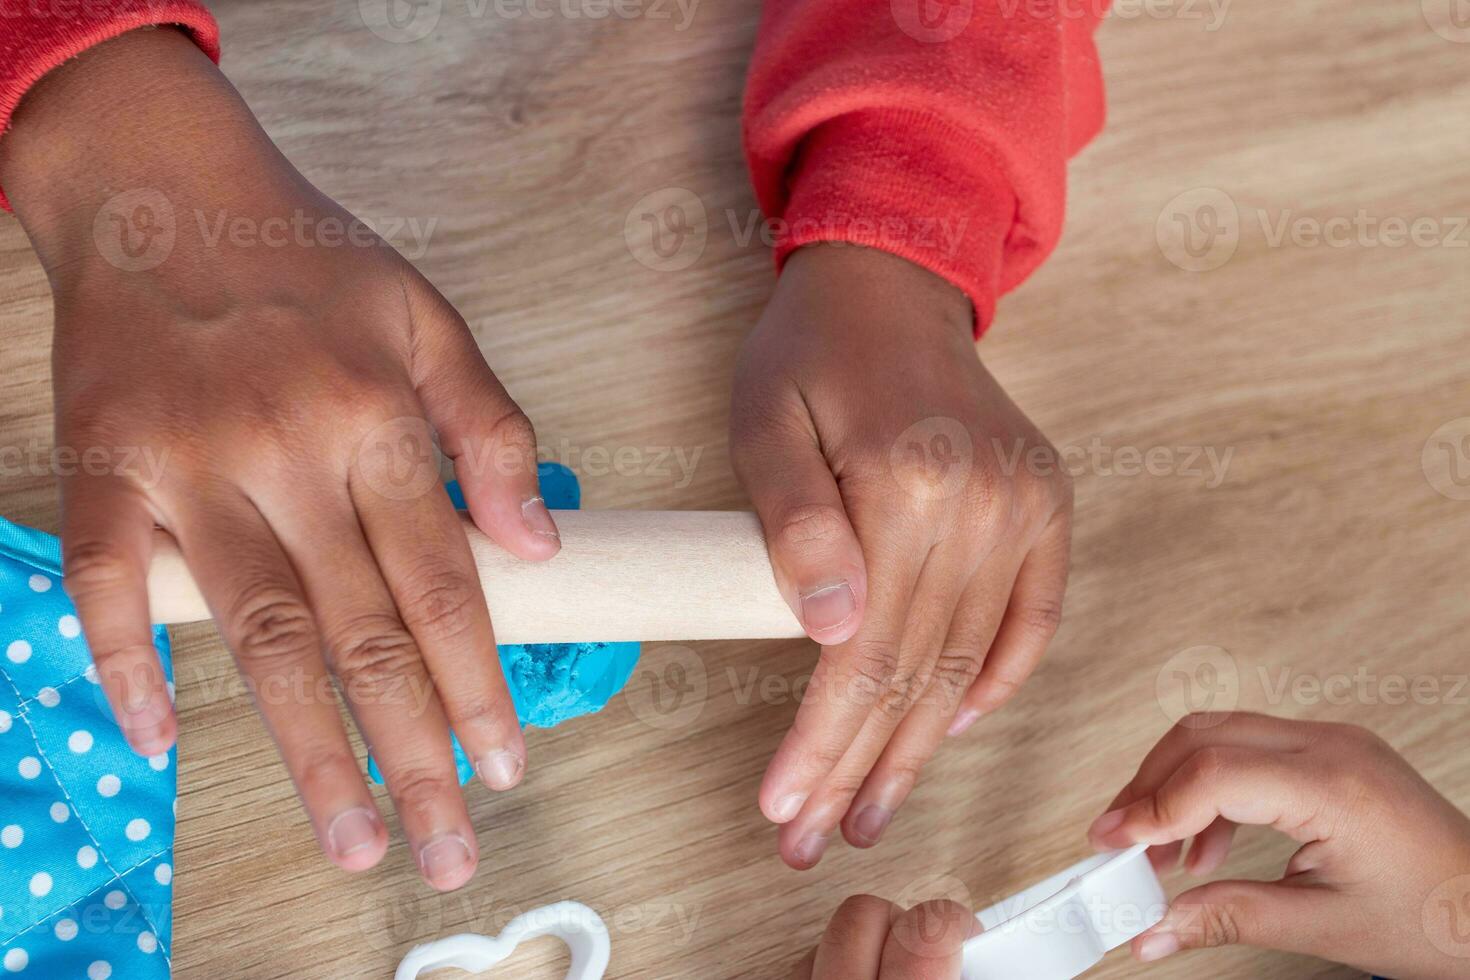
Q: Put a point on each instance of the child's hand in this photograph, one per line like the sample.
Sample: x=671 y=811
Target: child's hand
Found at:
x=284 y=380
x=1375 y=882
x=870 y=937
x=875 y=447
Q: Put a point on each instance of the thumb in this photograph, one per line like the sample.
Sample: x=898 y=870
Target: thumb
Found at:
x=481 y=429
x=1271 y=915
x=816 y=557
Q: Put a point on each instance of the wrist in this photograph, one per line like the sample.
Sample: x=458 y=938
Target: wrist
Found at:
x=898 y=292
x=145 y=111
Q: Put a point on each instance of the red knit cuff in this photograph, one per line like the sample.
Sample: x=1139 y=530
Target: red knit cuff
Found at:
x=909 y=183
x=40 y=37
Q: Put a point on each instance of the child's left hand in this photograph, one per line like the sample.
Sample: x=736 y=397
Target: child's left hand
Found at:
x=905 y=529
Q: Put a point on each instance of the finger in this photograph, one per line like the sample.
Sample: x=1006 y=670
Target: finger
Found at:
x=852 y=945
x=920 y=734
x=803 y=839
x=426 y=562
x=1272 y=915
x=481 y=429
x=804 y=966
x=254 y=595
x=815 y=555
x=1032 y=616
x=1241 y=729
x=926 y=942
x=1248 y=786
x=384 y=681
x=847 y=685
x=107 y=540
x=1210 y=848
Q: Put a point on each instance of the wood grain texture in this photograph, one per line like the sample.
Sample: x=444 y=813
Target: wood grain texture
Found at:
x=1321 y=370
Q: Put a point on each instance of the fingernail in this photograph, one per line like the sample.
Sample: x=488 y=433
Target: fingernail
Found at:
x=1157 y=946
x=444 y=857
x=538 y=518
x=871 y=823
x=809 y=849
x=963 y=721
x=788 y=806
x=1107 y=823
x=352 y=830
x=500 y=770
x=828 y=607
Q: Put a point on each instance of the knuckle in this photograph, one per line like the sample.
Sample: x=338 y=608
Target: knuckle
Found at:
x=440 y=599
x=808 y=525
x=93 y=565
x=901 y=694
x=1206 y=766
x=375 y=658
x=874 y=665
x=417 y=793
x=320 y=771
x=468 y=709
x=1000 y=688
x=273 y=627
x=1220 y=923
x=1042 y=617
x=514 y=430
x=954 y=671
x=990 y=504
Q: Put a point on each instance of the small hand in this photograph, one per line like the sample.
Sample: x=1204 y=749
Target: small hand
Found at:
x=279 y=377
x=871 y=937
x=908 y=525
x=1381 y=881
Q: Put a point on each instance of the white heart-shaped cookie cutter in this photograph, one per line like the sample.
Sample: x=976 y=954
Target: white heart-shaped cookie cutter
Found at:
x=578 y=926
x=1061 y=927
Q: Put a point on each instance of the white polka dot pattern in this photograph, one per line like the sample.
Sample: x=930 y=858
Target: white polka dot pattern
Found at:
x=86 y=826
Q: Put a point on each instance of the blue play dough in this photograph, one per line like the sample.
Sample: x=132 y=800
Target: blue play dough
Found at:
x=552 y=682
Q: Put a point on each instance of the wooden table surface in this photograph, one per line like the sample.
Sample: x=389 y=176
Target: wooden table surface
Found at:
x=509 y=154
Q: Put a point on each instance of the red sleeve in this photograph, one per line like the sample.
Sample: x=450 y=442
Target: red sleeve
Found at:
x=938 y=130
x=38 y=35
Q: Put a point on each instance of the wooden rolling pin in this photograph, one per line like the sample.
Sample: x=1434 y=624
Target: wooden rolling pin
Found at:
x=622 y=575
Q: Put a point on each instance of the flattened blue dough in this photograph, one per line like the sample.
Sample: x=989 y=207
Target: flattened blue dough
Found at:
x=553 y=682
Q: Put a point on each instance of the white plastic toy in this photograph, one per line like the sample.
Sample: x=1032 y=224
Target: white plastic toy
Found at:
x=1055 y=930
x=1060 y=928
x=574 y=923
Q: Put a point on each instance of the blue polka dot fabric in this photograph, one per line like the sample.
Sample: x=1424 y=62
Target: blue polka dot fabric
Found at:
x=86 y=826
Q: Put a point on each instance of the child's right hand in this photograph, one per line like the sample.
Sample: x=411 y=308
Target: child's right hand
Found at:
x=288 y=383
x=1381 y=882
